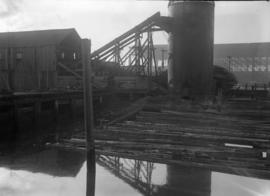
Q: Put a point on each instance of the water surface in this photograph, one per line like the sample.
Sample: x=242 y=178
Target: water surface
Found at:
x=62 y=173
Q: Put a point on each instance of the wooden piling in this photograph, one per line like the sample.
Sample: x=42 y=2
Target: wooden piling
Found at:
x=88 y=119
x=36 y=111
x=72 y=108
x=15 y=116
x=55 y=110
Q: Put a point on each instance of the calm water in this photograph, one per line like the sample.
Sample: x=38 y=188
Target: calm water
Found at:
x=62 y=173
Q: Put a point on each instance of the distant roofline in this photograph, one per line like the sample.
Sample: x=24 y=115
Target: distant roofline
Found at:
x=242 y=43
x=35 y=37
x=232 y=43
x=38 y=30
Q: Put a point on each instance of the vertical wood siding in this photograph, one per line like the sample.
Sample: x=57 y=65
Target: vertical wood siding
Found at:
x=46 y=61
x=24 y=70
x=36 y=70
x=4 y=84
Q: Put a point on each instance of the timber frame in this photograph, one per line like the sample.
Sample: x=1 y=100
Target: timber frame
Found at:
x=134 y=50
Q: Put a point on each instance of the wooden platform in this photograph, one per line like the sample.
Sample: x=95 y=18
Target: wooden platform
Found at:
x=29 y=97
x=233 y=138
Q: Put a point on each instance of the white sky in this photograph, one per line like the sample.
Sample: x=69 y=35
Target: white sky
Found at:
x=103 y=20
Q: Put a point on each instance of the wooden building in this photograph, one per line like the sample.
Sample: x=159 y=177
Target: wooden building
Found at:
x=40 y=60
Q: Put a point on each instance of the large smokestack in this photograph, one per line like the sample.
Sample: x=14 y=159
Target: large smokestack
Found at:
x=191 y=44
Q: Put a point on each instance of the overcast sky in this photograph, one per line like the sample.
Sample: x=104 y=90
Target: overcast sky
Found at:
x=103 y=20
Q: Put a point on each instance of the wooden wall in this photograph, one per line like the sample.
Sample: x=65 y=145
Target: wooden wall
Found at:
x=69 y=46
x=24 y=69
x=35 y=69
x=4 y=83
x=46 y=61
x=66 y=79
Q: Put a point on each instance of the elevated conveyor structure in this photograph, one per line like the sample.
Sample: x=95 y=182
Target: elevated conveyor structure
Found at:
x=134 y=50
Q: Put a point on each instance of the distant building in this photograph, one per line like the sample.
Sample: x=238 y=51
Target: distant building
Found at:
x=39 y=60
x=250 y=62
x=161 y=52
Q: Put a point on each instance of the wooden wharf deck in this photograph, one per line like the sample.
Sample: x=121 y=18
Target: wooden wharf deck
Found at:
x=234 y=140
x=7 y=99
x=28 y=97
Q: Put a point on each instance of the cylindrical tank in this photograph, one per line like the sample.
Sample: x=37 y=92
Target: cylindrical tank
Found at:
x=191 y=42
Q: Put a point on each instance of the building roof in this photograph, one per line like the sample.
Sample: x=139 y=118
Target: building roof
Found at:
x=34 y=38
x=242 y=50
x=259 y=49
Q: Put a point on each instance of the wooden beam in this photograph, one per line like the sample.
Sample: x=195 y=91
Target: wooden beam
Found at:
x=69 y=70
x=130 y=111
x=88 y=119
x=137 y=28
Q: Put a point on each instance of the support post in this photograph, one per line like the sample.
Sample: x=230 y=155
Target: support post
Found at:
x=268 y=63
x=56 y=110
x=72 y=108
x=36 y=111
x=10 y=69
x=154 y=59
x=15 y=111
x=162 y=59
x=229 y=63
x=138 y=53
x=149 y=59
x=117 y=54
x=252 y=69
x=88 y=119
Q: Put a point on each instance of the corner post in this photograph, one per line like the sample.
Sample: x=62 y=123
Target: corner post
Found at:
x=88 y=118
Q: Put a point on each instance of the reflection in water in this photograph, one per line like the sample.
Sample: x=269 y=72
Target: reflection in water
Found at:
x=20 y=182
x=226 y=184
x=138 y=174
x=58 y=172
x=186 y=181
x=55 y=173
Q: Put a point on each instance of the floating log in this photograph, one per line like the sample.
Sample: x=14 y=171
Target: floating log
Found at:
x=228 y=141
